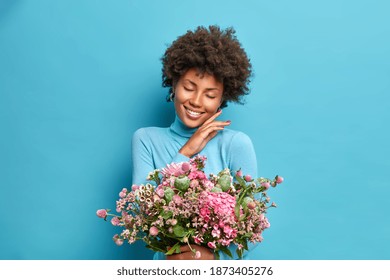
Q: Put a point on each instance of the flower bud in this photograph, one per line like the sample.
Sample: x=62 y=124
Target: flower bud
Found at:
x=266 y=185
x=198 y=255
x=246 y=201
x=251 y=205
x=279 y=179
x=185 y=166
x=248 y=178
x=115 y=221
x=153 y=231
x=182 y=183
x=101 y=213
x=169 y=193
x=225 y=181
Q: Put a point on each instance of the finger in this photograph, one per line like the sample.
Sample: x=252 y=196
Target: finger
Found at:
x=206 y=132
x=213 y=117
x=219 y=123
x=214 y=124
x=212 y=134
x=184 y=249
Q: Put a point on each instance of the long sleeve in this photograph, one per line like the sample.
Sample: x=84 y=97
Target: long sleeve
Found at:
x=141 y=157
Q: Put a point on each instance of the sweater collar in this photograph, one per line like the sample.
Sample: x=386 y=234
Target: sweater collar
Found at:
x=181 y=129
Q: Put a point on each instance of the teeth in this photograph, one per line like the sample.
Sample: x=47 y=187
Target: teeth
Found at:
x=193 y=113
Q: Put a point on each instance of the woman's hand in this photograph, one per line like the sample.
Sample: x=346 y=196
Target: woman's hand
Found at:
x=187 y=254
x=203 y=135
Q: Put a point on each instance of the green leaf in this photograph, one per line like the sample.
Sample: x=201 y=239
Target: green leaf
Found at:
x=239 y=253
x=237 y=210
x=166 y=214
x=245 y=245
x=173 y=249
x=217 y=256
x=226 y=251
x=179 y=231
x=241 y=181
x=155 y=248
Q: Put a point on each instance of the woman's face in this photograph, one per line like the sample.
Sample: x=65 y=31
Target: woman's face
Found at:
x=197 y=97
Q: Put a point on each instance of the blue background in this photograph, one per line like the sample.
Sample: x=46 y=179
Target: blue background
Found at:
x=78 y=77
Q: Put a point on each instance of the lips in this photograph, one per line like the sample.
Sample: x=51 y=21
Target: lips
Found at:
x=192 y=114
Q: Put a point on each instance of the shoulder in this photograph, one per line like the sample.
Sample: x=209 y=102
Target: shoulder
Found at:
x=235 y=136
x=145 y=133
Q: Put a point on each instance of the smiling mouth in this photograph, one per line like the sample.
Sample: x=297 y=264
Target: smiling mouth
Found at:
x=193 y=113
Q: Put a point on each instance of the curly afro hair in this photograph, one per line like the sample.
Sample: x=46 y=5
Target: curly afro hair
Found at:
x=213 y=51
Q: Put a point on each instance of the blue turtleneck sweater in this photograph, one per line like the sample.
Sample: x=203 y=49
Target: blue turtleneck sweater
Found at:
x=155 y=147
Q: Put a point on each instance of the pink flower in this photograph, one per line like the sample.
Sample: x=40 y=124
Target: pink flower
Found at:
x=153 y=231
x=134 y=187
x=177 y=199
x=211 y=245
x=204 y=212
x=198 y=240
x=173 y=169
x=123 y=193
x=198 y=255
x=239 y=173
x=228 y=230
x=160 y=192
x=101 y=213
x=251 y=205
x=248 y=178
x=266 y=185
x=115 y=221
x=197 y=174
x=225 y=242
x=118 y=241
x=216 y=233
x=279 y=179
x=194 y=184
x=185 y=166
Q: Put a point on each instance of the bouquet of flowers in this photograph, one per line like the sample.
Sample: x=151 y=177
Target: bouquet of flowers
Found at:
x=184 y=206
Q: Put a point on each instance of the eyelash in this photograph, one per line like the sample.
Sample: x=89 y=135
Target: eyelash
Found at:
x=188 y=89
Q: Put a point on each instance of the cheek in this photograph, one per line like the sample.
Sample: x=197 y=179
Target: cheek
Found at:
x=213 y=106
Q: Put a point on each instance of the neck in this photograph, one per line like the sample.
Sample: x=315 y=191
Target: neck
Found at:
x=181 y=129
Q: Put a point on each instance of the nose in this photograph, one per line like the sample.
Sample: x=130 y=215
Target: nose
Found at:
x=196 y=99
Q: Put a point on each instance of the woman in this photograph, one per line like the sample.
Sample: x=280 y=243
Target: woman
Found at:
x=204 y=70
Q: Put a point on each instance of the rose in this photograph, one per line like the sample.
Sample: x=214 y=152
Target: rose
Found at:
x=101 y=213
x=153 y=231
x=115 y=221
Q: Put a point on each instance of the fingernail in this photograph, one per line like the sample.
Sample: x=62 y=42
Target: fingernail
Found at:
x=229 y=121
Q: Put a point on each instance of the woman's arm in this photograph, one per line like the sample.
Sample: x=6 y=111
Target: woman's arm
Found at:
x=142 y=157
